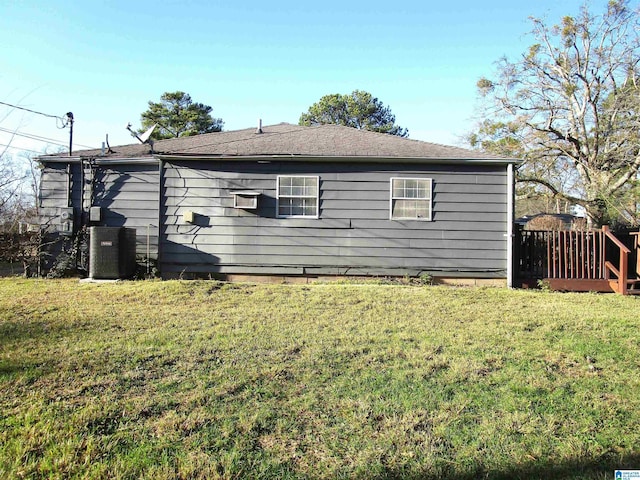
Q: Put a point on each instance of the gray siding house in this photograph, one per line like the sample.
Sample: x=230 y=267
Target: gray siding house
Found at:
x=293 y=201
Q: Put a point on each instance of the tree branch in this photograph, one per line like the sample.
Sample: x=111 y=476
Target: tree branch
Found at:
x=552 y=189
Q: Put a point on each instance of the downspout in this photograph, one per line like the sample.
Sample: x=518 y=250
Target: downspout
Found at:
x=92 y=181
x=510 y=220
x=68 y=184
x=160 y=225
x=82 y=192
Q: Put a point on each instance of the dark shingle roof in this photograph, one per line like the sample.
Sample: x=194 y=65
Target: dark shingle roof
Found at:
x=294 y=140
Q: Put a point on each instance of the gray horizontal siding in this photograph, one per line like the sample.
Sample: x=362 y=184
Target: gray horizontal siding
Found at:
x=353 y=234
x=354 y=230
x=335 y=208
x=128 y=196
x=355 y=211
x=205 y=263
x=436 y=251
x=312 y=225
x=236 y=231
x=58 y=189
x=224 y=242
x=171 y=270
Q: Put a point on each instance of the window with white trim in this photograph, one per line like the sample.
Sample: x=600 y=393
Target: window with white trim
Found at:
x=411 y=198
x=297 y=196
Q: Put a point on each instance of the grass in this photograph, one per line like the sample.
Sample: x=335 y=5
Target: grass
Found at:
x=211 y=380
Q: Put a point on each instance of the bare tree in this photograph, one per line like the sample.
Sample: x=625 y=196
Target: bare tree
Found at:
x=570 y=107
x=11 y=188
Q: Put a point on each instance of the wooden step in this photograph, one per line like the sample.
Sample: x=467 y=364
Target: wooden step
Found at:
x=634 y=286
x=581 y=285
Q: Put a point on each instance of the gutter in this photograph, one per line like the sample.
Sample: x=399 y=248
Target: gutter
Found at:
x=169 y=157
x=101 y=160
x=337 y=158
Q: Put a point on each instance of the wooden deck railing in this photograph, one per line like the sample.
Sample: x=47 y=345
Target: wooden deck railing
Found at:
x=576 y=254
x=580 y=260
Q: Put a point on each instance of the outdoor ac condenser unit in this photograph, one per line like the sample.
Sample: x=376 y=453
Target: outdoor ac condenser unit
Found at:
x=112 y=252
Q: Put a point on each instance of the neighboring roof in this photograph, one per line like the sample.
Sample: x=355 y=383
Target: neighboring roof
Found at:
x=284 y=139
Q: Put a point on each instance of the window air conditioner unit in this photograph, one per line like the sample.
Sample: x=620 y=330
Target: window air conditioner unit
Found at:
x=245 y=199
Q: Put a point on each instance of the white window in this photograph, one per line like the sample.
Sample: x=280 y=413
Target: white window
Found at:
x=297 y=196
x=411 y=198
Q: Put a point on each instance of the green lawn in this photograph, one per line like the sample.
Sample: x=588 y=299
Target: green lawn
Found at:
x=209 y=380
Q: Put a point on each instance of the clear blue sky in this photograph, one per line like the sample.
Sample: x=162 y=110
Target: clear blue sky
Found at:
x=104 y=61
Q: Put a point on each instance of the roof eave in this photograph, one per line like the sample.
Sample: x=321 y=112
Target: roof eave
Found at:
x=153 y=159
x=338 y=158
x=100 y=160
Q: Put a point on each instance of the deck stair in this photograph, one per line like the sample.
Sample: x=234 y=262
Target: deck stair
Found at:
x=633 y=284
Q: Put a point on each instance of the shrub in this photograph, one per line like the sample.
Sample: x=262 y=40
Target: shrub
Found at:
x=545 y=222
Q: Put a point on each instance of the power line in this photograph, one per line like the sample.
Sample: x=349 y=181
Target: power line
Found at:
x=32 y=111
x=23 y=149
x=64 y=122
x=39 y=138
x=31 y=136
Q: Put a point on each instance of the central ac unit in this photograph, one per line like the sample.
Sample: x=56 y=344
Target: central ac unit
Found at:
x=112 y=252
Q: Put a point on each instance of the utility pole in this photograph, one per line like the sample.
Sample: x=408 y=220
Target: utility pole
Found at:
x=70 y=117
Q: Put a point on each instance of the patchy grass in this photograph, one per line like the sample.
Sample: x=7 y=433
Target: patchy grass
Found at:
x=211 y=380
